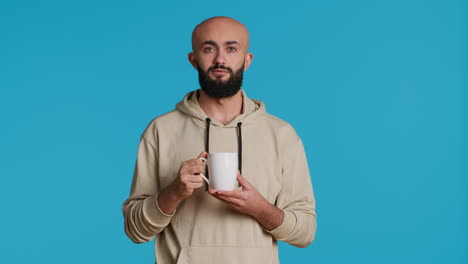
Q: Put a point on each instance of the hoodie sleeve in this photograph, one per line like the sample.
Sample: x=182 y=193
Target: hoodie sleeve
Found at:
x=296 y=199
x=143 y=219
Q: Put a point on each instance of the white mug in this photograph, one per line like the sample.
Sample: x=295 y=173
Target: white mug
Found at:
x=222 y=167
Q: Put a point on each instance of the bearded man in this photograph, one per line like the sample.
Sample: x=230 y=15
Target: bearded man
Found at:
x=167 y=200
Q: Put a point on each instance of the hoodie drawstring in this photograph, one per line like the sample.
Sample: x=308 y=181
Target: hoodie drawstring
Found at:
x=207 y=146
x=207 y=142
x=239 y=139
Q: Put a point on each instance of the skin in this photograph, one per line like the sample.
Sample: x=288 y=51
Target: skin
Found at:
x=222 y=41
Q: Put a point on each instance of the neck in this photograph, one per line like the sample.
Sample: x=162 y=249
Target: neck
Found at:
x=222 y=109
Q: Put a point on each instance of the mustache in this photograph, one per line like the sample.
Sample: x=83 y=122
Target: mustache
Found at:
x=220 y=66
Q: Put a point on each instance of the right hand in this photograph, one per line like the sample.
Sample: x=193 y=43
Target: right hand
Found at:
x=188 y=178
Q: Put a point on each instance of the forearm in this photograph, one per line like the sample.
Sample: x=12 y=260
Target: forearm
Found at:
x=298 y=228
x=143 y=220
x=270 y=217
x=296 y=198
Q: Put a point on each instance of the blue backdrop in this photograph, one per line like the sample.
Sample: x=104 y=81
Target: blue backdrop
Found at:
x=376 y=90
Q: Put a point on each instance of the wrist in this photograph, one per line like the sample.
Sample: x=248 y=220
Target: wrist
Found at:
x=262 y=211
x=174 y=194
x=168 y=200
x=270 y=216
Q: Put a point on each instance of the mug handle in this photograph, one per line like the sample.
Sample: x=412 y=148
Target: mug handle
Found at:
x=201 y=174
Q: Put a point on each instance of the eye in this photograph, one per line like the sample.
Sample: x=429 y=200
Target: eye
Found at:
x=208 y=49
x=231 y=49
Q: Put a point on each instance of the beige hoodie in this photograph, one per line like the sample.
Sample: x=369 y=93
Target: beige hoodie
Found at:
x=203 y=229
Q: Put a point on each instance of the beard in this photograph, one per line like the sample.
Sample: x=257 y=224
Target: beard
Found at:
x=219 y=88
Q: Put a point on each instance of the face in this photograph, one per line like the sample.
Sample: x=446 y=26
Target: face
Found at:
x=220 y=54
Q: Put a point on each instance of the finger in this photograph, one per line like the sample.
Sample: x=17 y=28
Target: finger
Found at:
x=243 y=182
x=193 y=162
x=230 y=194
x=196 y=185
x=193 y=178
x=195 y=169
x=229 y=200
x=219 y=199
x=196 y=161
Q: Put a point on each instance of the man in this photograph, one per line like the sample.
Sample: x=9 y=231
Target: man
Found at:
x=168 y=198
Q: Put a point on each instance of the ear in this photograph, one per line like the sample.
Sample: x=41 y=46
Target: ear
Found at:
x=192 y=60
x=248 y=60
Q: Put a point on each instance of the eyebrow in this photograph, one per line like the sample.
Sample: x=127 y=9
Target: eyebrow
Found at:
x=211 y=42
x=231 y=42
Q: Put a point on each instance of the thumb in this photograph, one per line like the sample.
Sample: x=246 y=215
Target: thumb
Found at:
x=243 y=182
x=204 y=154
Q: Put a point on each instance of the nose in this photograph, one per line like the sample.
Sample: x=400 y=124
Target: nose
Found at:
x=220 y=58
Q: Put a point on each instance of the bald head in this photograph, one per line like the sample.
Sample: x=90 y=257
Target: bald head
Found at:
x=220 y=27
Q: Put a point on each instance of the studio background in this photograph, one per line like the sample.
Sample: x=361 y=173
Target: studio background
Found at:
x=375 y=89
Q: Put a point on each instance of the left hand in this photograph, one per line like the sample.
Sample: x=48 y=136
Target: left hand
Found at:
x=248 y=201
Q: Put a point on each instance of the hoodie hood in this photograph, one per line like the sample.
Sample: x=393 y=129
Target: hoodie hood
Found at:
x=251 y=110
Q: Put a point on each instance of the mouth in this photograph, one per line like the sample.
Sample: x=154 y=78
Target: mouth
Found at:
x=219 y=72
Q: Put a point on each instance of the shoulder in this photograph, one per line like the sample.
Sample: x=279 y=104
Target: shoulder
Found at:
x=160 y=122
x=280 y=127
x=166 y=118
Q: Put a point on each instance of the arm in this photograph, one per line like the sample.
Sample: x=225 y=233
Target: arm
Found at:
x=149 y=210
x=296 y=199
x=270 y=217
x=143 y=218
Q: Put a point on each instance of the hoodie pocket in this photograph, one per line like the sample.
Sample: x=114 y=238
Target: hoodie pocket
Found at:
x=228 y=255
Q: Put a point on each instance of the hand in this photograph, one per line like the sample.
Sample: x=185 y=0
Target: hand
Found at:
x=248 y=201
x=188 y=178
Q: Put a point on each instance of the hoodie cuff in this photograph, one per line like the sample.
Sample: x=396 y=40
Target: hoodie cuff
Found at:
x=155 y=215
x=161 y=211
x=285 y=228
